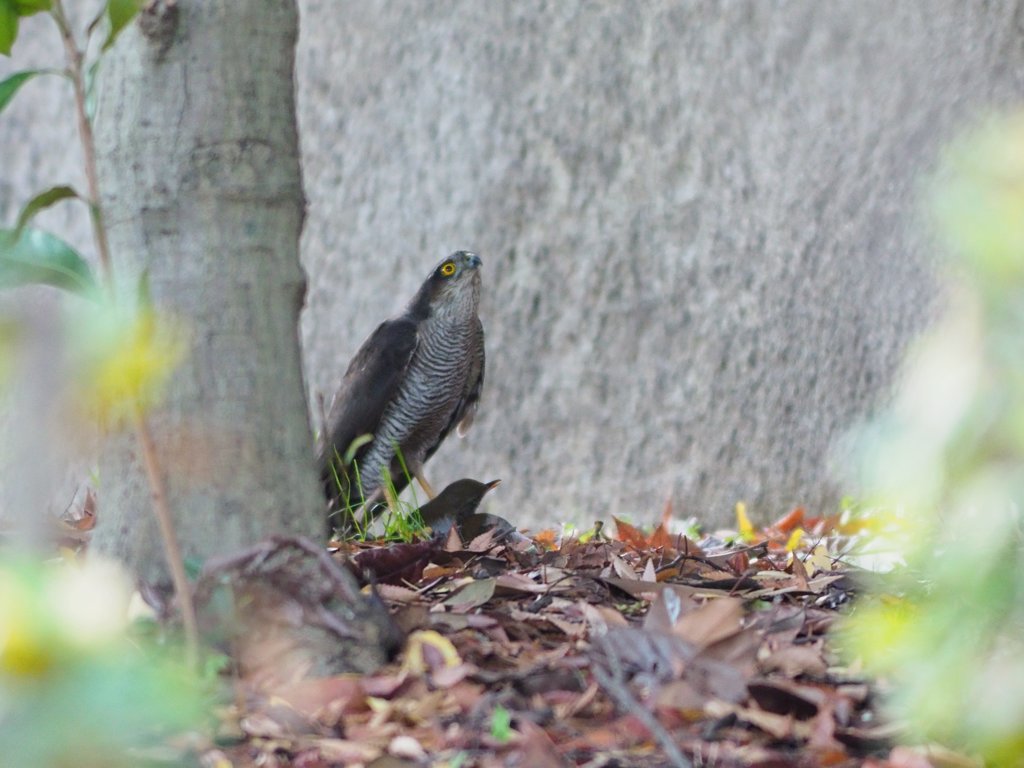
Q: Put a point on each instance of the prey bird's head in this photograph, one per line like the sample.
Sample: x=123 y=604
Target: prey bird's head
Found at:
x=453 y=286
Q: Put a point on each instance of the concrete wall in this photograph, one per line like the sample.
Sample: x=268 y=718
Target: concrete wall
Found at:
x=702 y=254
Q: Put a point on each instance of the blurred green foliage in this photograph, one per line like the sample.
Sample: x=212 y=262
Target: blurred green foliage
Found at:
x=125 y=353
x=10 y=10
x=948 y=638
x=77 y=686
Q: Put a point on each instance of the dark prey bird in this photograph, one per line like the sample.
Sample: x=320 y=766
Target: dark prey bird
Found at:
x=456 y=505
x=415 y=378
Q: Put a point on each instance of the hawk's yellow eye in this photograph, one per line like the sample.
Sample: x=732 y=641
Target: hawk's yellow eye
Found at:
x=448 y=268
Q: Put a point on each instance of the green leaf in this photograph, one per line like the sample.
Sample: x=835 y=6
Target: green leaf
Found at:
x=10 y=86
x=8 y=26
x=39 y=202
x=28 y=7
x=501 y=724
x=120 y=13
x=39 y=258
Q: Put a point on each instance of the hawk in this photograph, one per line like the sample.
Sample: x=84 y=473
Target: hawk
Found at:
x=415 y=378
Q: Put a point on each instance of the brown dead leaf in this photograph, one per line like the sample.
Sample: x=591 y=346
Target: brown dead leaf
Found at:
x=383 y=686
x=433 y=571
x=647 y=590
x=344 y=692
x=447 y=677
x=606 y=738
x=466 y=695
x=790 y=521
x=778 y=726
x=669 y=605
x=452 y=542
x=472 y=595
x=685 y=647
x=738 y=563
x=483 y=542
x=712 y=622
x=572 y=629
x=516 y=583
x=629 y=534
x=681 y=695
x=799 y=573
x=661 y=539
x=687 y=547
x=538 y=749
x=622 y=569
x=347 y=752
x=795 y=660
x=573 y=704
x=395 y=563
x=393 y=593
x=601 y=617
x=822 y=737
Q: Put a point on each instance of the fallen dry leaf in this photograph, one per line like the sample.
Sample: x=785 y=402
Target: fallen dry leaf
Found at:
x=598 y=653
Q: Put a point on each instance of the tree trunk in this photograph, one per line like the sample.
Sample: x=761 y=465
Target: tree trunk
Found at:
x=199 y=165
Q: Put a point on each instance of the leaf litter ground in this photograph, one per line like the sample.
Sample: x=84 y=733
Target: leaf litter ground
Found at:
x=640 y=650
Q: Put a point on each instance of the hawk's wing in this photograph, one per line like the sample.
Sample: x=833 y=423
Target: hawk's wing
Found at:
x=370 y=383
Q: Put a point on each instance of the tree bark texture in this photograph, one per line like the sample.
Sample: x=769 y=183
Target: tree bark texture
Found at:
x=199 y=164
x=699 y=222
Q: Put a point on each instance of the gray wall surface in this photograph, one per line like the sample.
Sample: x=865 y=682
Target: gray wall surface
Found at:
x=699 y=221
x=699 y=224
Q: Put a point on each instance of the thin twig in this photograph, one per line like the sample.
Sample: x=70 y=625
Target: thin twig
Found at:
x=171 y=549
x=76 y=58
x=616 y=689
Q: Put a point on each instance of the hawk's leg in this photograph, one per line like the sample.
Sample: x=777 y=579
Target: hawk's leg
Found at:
x=418 y=474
